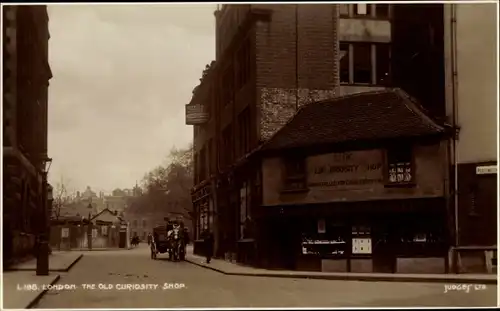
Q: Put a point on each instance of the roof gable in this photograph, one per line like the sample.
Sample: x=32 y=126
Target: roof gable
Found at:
x=106 y=215
x=386 y=114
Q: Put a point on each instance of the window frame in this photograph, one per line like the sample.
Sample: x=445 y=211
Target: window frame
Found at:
x=347 y=58
x=243 y=60
x=228 y=85
x=290 y=179
x=371 y=11
x=352 y=49
x=368 y=7
x=244 y=210
x=348 y=6
x=374 y=61
x=398 y=148
x=228 y=153
x=244 y=130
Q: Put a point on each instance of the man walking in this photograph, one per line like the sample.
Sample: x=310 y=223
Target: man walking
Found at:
x=209 y=245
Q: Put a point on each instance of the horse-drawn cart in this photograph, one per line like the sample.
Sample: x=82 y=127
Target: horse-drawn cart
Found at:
x=171 y=239
x=159 y=243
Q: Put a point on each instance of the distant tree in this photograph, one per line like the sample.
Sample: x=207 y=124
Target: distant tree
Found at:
x=167 y=187
x=60 y=197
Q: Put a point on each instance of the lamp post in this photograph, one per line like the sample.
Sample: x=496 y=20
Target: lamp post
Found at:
x=89 y=227
x=42 y=260
x=50 y=200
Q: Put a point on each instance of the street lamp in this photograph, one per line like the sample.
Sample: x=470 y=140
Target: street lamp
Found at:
x=42 y=260
x=50 y=200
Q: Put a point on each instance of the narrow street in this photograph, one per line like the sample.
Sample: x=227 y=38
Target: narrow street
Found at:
x=188 y=285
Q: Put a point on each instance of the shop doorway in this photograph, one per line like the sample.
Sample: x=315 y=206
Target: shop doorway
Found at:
x=285 y=245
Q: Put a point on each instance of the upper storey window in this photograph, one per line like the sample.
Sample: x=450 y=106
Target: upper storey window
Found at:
x=365 y=63
x=364 y=10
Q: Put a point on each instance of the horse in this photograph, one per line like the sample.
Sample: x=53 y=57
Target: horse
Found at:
x=177 y=247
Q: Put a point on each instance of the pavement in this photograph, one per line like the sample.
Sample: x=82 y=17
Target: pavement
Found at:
x=100 y=249
x=59 y=261
x=117 y=279
x=229 y=268
x=22 y=287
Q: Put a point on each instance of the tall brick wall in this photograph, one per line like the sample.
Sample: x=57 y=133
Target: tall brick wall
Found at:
x=278 y=105
x=296 y=49
x=26 y=74
x=10 y=76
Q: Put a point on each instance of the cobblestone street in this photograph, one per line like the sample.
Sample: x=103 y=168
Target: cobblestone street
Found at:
x=199 y=287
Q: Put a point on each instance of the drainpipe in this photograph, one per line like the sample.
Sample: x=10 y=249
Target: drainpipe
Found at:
x=296 y=57
x=336 y=49
x=454 y=79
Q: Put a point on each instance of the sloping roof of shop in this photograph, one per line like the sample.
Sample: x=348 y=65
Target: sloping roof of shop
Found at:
x=386 y=114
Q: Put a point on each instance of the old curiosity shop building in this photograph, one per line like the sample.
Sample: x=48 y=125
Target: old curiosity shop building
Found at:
x=357 y=184
x=288 y=175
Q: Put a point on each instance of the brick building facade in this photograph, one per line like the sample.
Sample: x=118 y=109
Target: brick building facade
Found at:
x=26 y=74
x=272 y=60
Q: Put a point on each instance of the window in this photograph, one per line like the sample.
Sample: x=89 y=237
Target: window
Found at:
x=144 y=223
x=244 y=64
x=243 y=209
x=363 y=9
x=344 y=62
x=196 y=169
x=203 y=215
x=360 y=55
x=362 y=61
x=226 y=153
x=228 y=86
x=244 y=132
x=382 y=11
x=383 y=58
x=344 y=9
x=331 y=241
x=134 y=224
x=203 y=164
x=295 y=173
x=399 y=162
x=211 y=157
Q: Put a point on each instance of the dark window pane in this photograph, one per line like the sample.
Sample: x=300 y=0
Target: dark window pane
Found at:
x=382 y=10
x=344 y=9
x=383 y=64
x=362 y=63
x=344 y=62
x=295 y=173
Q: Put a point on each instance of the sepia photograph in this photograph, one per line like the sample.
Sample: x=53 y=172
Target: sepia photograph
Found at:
x=250 y=155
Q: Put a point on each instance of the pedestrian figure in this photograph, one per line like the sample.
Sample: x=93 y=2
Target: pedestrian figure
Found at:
x=150 y=238
x=209 y=245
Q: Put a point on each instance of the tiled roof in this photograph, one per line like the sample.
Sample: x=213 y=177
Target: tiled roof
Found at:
x=386 y=114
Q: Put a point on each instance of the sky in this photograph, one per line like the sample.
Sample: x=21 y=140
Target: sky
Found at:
x=122 y=75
